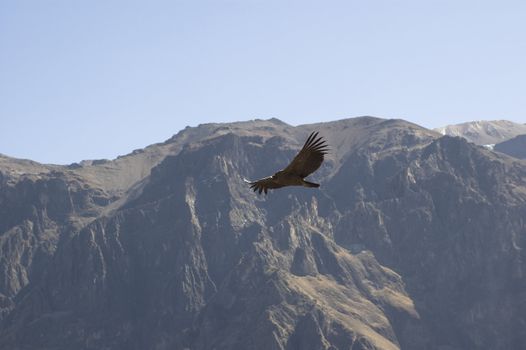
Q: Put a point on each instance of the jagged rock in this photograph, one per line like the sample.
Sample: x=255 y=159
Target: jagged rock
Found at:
x=413 y=241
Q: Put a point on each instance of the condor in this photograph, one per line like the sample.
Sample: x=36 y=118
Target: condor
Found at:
x=307 y=161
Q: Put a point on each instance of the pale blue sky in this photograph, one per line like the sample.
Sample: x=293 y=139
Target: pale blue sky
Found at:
x=99 y=78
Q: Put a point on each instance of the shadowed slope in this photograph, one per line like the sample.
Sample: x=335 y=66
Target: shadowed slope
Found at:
x=412 y=242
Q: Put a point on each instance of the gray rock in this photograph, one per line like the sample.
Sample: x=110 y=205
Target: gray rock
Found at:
x=413 y=241
x=516 y=147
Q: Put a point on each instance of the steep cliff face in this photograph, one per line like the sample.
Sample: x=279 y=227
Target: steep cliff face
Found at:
x=449 y=218
x=35 y=210
x=413 y=241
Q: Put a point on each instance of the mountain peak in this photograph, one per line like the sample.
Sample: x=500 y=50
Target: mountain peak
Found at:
x=484 y=132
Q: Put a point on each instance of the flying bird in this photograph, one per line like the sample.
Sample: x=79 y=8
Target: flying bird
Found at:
x=307 y=161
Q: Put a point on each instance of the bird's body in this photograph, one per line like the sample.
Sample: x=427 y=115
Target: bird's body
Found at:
x=307 y=161
x=292 y=179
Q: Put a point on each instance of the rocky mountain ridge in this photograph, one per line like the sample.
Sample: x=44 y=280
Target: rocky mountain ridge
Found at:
x=484 y=132
x=413 y=241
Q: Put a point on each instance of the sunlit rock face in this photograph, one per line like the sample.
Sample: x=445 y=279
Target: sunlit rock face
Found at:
x=413 y=241
x=485 y=132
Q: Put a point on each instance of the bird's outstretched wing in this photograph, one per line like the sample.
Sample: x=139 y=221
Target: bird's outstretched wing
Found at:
x=309 y=159
x=263 y=185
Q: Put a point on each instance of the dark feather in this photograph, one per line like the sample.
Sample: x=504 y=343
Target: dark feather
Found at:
x=307 y=161
x=310 y=157
x=264 y=184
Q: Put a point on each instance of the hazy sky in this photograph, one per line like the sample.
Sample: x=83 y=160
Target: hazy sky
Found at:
x=95 y=79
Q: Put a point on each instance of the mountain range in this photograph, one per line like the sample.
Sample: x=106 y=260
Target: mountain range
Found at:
x=415 y=240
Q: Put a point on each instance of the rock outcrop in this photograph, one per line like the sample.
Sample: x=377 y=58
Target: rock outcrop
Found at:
x=413 y=241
